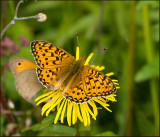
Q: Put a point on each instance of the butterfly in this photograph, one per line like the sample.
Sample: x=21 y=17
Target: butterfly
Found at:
x=57 y=69
x=24 y=72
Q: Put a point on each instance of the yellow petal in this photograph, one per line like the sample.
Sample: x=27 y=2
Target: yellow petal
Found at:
x=78 y=113
x=44 y=99
x=103 y=104
x=94 y=107
x=45 y=107
x=101 y=99
x=44 y=95
x=114 y=80
x=111 y=97
x=110 y=74
x=89 y=110
x=63 y=111
x=59 y=111
x=74 y=115
x=77 y=53
x=69 y=110
x=55 y=104
x=56 y=96
x=88 y=59
x=83 y=114
x=87 y=114
x=100 y=68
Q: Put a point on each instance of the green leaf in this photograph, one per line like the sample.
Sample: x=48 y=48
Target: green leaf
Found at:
x=61 y=129
x=145 y=126
x=25 y=53
x=141 y=4
x=44 y=124
x=38 y=6
x=9 y=85
x=37 y=94
x=107 y=133
x=148 y=71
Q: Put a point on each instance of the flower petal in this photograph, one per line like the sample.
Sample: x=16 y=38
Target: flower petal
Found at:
x=83 y=114
x=59 y=111
x=55 y=104
x=63 y=111
x=45 y=107
x=102 y=103
x=78 y=113
x=87 y=114
x=44 y=95
x=98 y=67
x=110 y=74
x=77 y=53
x=69 y=110
x=74 y=115
x=89 y=110
x=88 y=59
x=91 y=102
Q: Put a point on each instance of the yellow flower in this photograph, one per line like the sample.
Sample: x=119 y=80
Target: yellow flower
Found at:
x=83 y=111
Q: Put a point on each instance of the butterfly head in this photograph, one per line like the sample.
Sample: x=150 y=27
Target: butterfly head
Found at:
x=82 y=59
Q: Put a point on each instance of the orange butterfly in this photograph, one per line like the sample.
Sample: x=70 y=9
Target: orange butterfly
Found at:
x=57 y=69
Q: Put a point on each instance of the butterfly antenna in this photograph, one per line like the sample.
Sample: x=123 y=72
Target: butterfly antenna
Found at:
x=78 y=39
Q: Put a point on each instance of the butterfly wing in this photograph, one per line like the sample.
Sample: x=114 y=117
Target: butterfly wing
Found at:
x=90 y=83
x=27 y=84
x=48 y=56
x=19 y=64
x=75 y=92
x=50 y=77
x=53 y=63
x=24 y=72
x=96 y=83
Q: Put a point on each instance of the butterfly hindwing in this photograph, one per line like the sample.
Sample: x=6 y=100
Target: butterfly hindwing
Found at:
x=76 y=94
x=96 y=83
x=89 y=83
x=75 y=90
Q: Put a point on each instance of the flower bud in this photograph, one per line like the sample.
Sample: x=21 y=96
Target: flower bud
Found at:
x=41 y=17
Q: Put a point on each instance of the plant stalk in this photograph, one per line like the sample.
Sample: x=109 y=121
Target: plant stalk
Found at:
x=128 y=129
x=149 y=58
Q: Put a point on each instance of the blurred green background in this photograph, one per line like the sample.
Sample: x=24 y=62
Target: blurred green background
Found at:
x=130 y=31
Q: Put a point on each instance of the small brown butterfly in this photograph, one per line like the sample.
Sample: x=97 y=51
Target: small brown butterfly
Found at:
x=24 y=72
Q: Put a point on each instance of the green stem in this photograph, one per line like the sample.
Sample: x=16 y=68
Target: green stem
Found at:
x=130 y=70
x=149 y=57
x=77 y=129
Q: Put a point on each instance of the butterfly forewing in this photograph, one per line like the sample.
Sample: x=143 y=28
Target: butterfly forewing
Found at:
x=48 y=56
x=53 y=62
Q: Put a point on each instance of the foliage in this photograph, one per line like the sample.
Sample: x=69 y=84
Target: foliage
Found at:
x=64 y=20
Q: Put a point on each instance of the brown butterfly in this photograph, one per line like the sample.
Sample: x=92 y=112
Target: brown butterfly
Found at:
x=24 y=72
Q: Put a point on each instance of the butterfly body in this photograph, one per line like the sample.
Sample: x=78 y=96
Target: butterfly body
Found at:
x=57 y=69
x=72 y=75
